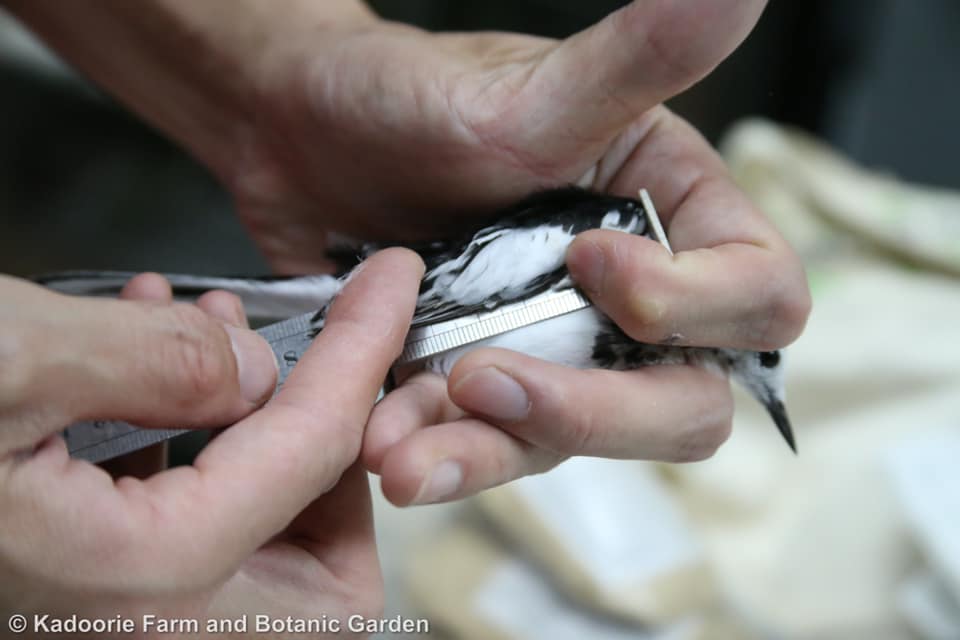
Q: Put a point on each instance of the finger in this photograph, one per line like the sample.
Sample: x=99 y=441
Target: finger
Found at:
x=455 y=460
x=734 y=282
x=420 y=401
x=147 y=286
x=225 y=306
x=264 y=470
x=145 y=462
x=662 y=412
x=635 y=58
x=152 y=365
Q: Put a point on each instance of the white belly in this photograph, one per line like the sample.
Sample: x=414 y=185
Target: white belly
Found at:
x=566 y=340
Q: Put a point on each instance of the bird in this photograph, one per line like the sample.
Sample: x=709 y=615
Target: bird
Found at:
x=517 y=253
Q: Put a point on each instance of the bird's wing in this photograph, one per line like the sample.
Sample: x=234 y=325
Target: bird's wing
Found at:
x=495 y=268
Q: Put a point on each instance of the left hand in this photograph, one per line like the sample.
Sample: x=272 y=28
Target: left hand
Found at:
x=383 y=127
x=273 y=517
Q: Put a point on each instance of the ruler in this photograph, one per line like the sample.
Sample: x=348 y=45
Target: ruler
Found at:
x=100 y=440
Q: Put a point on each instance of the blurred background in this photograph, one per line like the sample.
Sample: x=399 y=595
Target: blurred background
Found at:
x=84 y=184
x=855 y=159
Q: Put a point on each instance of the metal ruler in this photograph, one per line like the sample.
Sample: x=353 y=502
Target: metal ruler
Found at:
x=429 y=340
x=100 y=440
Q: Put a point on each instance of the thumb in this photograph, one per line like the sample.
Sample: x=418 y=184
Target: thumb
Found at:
x=155 y=365
x=601 y=79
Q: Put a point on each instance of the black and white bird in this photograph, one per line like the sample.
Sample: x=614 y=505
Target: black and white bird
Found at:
x=519 y=255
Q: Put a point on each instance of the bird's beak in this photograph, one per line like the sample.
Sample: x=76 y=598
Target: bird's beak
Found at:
x=779 y=414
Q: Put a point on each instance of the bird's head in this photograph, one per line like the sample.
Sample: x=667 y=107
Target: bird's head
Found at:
x=762 y=373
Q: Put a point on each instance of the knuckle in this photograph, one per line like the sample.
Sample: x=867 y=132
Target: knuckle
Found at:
x=540 y=461
x=506 y=465
x=701 y=439
x=197 y=353
x=637 y=286
x=793 y=311
x=590 y=427
x=578 y=421
x=787 y=308
x=580 y=434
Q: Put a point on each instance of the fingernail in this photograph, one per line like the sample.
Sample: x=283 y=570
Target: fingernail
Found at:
x=256 y=365
x=585 y=262
x=442 y=482
x=491 y=392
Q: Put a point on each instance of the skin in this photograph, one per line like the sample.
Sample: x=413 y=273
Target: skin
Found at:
x=273 y=517
x=322 y=118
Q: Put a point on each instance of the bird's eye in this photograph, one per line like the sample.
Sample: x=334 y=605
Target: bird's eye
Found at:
x=769 y=359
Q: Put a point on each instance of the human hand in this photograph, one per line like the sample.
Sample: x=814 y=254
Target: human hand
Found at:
x=392 y=133
x=733 y=283
x=464 y=123
x=322 y=118
x=274 y=516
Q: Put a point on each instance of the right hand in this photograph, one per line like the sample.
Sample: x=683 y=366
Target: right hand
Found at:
x=273 y=515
